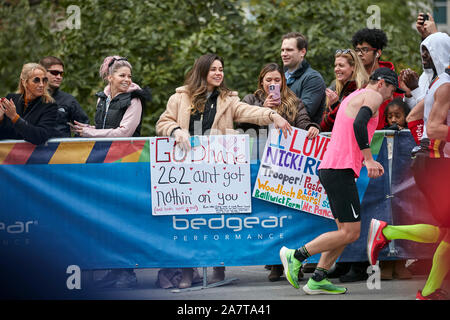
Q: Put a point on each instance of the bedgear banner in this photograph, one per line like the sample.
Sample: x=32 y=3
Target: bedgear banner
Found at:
x=92 y=208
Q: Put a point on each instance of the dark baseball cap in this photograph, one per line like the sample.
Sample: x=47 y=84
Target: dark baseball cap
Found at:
x=387 y=75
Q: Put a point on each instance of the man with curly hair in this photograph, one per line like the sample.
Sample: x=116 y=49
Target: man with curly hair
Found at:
x=369 y=45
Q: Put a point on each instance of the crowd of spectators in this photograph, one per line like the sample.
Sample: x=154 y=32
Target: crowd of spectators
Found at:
x=292 y=95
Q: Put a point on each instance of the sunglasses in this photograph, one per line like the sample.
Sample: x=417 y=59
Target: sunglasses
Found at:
x=364 y=49
x=56 y=72
x=342 y=51
x=114 y=60
x=37 y=80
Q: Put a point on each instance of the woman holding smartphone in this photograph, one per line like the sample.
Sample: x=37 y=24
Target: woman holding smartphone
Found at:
x=273 y=93
x=30 y=114
x=205 y=105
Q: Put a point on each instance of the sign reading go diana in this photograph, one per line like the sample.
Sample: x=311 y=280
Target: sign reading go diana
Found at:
x=212 y=177
x=288 y=172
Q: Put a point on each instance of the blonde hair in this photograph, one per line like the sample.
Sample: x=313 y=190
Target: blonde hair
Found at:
x=196 y=82
x=25 y=75
x=359 y=74
x=288 y=107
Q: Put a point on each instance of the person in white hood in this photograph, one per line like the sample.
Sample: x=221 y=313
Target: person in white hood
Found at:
x=435 y=54
x=414 y=86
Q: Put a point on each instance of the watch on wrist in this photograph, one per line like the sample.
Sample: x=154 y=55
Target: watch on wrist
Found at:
x=271 y=115
x=171 y=134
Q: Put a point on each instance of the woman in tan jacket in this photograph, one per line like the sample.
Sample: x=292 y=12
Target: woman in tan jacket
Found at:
x=204 y=105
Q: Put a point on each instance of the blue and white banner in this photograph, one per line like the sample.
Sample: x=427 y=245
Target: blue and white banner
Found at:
x=88 y=203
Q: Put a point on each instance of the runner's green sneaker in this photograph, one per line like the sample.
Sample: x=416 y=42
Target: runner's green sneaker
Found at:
x=322 y=287
x=291 y=266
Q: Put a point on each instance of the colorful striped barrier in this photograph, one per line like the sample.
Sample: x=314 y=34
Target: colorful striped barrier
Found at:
x=87 y=203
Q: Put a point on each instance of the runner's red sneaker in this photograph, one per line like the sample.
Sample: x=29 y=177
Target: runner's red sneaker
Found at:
x=376 y=240
x=439 y=294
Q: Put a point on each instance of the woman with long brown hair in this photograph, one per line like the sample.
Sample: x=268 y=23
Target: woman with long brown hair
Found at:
x=204 y=105
x=29 y=114
x=289 y=106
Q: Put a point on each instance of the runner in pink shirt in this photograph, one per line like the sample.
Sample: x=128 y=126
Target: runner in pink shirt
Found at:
x=347 y=152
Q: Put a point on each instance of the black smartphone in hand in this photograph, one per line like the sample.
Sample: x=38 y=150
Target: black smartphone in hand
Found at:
x=425 y=17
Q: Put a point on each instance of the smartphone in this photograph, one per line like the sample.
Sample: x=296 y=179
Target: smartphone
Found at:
x=425 y=17
x=275 y=90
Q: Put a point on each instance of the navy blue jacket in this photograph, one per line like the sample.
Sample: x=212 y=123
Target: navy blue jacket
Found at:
x=309 y=86
x=68 y=110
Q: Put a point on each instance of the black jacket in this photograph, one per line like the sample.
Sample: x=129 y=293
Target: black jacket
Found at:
x=119 y=104
x=36 y=124
x=68 y=110
x=206 y=117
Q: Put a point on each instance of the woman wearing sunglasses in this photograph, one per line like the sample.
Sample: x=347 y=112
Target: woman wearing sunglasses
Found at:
x=29 y=114
x=350 y=75
x=119 y=106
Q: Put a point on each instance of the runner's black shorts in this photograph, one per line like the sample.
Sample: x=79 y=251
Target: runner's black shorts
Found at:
x=342 y=193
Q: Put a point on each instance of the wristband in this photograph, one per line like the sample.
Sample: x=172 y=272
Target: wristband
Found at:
x=15 y=118
x=416 y=128
x=171 y=133
x=270 y=115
